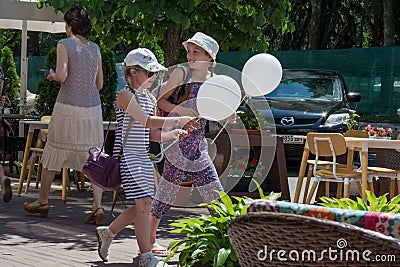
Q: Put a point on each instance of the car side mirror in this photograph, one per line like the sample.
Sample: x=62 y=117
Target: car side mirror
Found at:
x=353 y=97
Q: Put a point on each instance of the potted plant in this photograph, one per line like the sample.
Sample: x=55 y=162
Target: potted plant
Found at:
x=242 y=170
x=252 y=120
x=378 y=132
x=372 y=203
x=207 y=242
x=353 y=120
x=184 y=193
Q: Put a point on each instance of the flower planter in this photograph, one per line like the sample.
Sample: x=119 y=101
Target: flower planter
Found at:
x=238 y=184
x=381 y=137
x=249 y=131
x=184 y=193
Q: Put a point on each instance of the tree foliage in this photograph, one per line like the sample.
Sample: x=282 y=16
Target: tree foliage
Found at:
x=236 y=25
x=328 y=24
x=11 y=79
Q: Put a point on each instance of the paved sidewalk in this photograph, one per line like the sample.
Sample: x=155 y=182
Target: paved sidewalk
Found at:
x=62 y=239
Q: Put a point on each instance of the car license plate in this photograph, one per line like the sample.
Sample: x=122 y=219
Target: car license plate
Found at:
x=290 y=139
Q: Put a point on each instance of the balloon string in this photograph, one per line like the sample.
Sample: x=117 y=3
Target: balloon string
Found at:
x=245 y=98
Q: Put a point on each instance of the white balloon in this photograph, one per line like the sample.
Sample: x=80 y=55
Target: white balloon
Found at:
x=261 y=74
x=218 y=98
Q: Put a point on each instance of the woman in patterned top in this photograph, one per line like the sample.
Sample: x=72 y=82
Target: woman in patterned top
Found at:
x=135 y=109
x=76 y=122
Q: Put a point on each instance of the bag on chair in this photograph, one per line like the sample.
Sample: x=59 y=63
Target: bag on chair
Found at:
x=102 y=170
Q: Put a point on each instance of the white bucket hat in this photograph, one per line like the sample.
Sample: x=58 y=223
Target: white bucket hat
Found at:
x=144 y=58
x=204 y=41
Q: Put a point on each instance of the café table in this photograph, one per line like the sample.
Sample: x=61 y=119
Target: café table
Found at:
x=353 y=144
x=11 y=141
x=37 y=125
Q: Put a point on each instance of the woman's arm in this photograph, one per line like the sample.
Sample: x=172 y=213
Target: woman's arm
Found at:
x=62 y=65
x=99 y=76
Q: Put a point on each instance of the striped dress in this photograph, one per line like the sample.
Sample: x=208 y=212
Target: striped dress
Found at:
x=135 y=166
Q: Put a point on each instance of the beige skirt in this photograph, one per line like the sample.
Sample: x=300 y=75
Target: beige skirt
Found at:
x=72 y=132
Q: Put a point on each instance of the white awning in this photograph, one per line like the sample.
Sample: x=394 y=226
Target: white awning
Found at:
x=25 y=16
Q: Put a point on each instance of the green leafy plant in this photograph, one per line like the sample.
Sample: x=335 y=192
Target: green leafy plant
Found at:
x=107 y=94
x=207 y=240
x=11 y=78
x=352 y=121
x=373 y=203
x=47 y=91
x=251 y=119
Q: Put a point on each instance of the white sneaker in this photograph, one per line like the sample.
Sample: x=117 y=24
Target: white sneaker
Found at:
x=149 y=260
x=103 y=242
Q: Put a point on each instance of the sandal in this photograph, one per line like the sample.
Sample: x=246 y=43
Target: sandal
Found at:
x=160 y=251
x=96 y=219
x=42 y=208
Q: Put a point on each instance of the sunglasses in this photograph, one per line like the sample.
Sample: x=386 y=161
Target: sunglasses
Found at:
x=149 y=73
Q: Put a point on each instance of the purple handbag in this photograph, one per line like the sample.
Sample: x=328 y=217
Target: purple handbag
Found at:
x=102 y=170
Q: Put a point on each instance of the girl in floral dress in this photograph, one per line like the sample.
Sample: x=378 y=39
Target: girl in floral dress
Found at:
x=188 y=159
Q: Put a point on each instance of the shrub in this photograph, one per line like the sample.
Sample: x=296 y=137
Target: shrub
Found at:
x=372 y=204
x=207 y=240
x=47 y=91
x=107 y=94
x=11 y=79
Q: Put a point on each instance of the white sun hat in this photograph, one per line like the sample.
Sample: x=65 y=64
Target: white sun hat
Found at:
x=204 y=41
x=144 y=58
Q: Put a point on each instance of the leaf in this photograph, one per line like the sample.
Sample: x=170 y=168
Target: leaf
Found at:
x=220 y=259
x=373 y=202
x=395 y=200
x=228 y=203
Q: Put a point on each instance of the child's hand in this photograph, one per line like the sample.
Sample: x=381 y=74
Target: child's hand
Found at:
x=190 y=123
x=231 y=118
x=174 y=134
x=182 y=133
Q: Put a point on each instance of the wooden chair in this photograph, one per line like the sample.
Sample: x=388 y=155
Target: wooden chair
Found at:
x=331 y=145
x=36 y=154
x=328 y=164
x=267 y=238
x=390 y=169
x=36 y=157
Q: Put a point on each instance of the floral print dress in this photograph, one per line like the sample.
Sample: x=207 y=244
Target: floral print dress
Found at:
x=187 y=159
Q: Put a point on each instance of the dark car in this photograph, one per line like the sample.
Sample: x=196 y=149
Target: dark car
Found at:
x=306 y=100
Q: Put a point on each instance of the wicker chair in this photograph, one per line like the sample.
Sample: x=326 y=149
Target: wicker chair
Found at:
x=261 y=238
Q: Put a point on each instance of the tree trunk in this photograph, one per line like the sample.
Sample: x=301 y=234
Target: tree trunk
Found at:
x=388 y=22
x=313 y=28
x=388 y=40
x=172 y=46
x=34 y=43
x=324 y=33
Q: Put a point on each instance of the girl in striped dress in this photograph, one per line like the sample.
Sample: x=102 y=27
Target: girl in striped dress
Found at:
x=135 y=108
